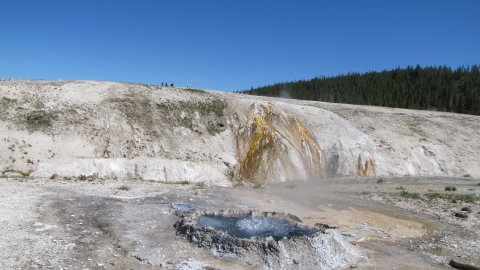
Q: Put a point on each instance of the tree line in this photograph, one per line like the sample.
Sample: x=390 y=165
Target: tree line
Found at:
x=429 y=88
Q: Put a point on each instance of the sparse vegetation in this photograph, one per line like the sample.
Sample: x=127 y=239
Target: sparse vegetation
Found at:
x=461 y=215
x=136 y=109
x=54 y=176
x=175 y=182
x=5 y=104
x=124 y=187
x=82 y=177
x=434 y=195
x=206 y=107
x=4 y=101
x=411 y=195
x=453 y=197
x=184 y=113
x=212 y=128
x=231 y=175
x=193 y=90
x=231 y=171
x=39 y=119
x=200 y=185
x=450 y=188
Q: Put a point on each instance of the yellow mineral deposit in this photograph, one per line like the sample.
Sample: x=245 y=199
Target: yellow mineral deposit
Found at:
x=274 y=146
x=317 y=159
x=366 y=167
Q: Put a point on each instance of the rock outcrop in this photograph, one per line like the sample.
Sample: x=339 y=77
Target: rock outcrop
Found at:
x=163 y=170
x=325 y=249
x=274 y=146
x=366 y=165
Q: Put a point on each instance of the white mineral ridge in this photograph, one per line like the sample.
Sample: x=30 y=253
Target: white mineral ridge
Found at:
x=96 y=131
x=164 y=170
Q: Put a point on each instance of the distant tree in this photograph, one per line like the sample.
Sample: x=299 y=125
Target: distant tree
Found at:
x=162 y=83
x=439 y=88
x=171 y=84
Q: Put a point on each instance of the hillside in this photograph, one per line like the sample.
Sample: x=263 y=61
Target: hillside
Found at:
x=118 y=130
x=105 y=175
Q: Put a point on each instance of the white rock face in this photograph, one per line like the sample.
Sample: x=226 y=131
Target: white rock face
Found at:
x=275 y=147
x=172 y=134
x=154 y=169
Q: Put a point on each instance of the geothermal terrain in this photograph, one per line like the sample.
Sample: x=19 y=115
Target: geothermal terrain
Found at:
x=96 y=174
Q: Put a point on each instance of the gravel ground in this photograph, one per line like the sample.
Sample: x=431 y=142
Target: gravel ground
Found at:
x=459 y=238
x=55 y=224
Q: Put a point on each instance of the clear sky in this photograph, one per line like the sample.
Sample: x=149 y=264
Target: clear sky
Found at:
x=231 y=45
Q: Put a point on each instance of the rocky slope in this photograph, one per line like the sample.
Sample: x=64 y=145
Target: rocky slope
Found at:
x=116 y=130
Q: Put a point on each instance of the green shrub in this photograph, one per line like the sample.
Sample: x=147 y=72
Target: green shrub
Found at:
x=212 y=128
x=450 y=188
x=469 y=198
x=410 y=195
x=231 y=175
x=434 y=195
x=82 y=177
x=39 y=119
x=124 y=187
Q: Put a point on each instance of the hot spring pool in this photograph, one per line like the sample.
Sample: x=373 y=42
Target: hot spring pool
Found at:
x=248 y=226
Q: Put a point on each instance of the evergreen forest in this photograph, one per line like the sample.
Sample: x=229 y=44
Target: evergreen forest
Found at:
x=429 y=88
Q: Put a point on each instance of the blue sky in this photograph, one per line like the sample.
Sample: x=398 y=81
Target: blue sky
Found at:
x=231 y=45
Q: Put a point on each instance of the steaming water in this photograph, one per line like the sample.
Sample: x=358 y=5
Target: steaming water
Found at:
x=186 y=207
x=246 y=227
